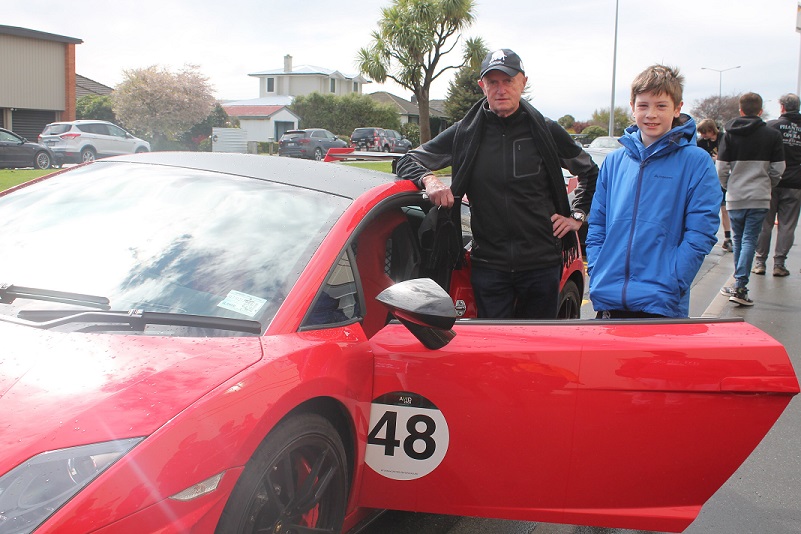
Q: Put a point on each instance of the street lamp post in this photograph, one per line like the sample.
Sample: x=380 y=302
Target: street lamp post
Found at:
x=720 y=84
x=614 y=68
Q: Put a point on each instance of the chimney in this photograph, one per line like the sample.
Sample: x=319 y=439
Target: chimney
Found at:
x=414 y=99
x=287 y=63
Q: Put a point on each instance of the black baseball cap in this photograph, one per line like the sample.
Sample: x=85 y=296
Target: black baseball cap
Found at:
x=503 y=60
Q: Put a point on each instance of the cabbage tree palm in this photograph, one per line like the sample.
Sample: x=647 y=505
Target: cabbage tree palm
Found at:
x=409 y=45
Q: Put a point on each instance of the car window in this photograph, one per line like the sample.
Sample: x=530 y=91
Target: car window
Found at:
x=338 y=301
x=115 y=130
x=9 y=138
x=159 y=239
x=318 y=133
x=56 y=129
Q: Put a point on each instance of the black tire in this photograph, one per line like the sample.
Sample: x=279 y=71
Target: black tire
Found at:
x=42 y=160
x=88 y=154
x=386 y=148
x=141 y=149
x=569 y=301
x=318 y=154
x=297 y=478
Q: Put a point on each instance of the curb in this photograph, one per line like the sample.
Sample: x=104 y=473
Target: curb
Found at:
x=719 y=303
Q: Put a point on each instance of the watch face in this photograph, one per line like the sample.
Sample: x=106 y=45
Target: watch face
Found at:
x=578 y=216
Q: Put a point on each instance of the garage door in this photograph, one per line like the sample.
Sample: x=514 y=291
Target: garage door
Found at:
x=29 y=123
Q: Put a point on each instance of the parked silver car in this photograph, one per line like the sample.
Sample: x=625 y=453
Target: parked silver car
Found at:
x=85 y=140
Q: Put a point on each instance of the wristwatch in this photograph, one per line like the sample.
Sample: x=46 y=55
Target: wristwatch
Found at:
x=579 y=216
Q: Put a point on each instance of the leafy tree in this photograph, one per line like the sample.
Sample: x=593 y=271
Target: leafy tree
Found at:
x=579 y=126
x=600 y=117
x=463 y=90
x=97 y=107
x=162 y=104
x=594 y=131
x=720 y=109
x=195 y=137
x=567 y=122
x=412 y=38
x=342 y=114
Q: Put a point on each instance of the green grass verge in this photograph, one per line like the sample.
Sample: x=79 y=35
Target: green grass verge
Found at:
x=386 y=166
x=11 y=177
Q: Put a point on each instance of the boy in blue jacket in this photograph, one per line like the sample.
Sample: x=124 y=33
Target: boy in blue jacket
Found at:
x=655 y=212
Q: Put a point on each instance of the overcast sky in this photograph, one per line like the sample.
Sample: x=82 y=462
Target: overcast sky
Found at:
x=566 y=45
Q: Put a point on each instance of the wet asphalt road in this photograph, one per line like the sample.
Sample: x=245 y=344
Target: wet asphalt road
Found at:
x=764 y=495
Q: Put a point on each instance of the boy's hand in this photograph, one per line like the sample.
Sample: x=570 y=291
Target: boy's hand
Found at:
x=564 y=225
x=438 y=193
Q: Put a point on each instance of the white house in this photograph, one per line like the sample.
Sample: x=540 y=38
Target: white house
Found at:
x=267 y=118
x=306 y=79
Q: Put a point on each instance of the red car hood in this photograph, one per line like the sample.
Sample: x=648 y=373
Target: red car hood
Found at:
x=60 y=390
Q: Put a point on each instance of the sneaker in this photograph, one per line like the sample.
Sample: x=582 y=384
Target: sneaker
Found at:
x=726 y=246
x=740 y=296
x=780 y=270
x=759 y=268
x=727 y=291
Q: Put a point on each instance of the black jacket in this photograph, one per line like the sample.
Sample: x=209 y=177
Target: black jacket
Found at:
x=789 y=124
x=513 y=232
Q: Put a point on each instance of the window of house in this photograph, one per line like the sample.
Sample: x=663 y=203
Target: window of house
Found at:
x=270 y=85
x=355 y=87
x=333 y=85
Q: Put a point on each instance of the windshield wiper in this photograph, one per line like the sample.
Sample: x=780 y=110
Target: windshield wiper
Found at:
x=9 y=293
x=136 y=319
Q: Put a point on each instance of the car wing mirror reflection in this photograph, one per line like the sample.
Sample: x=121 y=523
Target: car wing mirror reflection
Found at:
x=423 y=307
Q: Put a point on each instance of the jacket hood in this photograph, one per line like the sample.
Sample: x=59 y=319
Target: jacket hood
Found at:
x=744 y=125
x=682 y=135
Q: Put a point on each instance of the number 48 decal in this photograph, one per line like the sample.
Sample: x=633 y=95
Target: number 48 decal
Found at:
x=408 y=436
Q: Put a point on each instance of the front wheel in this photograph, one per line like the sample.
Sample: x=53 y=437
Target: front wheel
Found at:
x=569 y=301
x=295 y=482
x=42 y=160
x=318 y=154
x=87 y=154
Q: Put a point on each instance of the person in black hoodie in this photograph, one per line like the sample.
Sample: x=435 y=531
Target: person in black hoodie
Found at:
x=507 y=158
x=785 y=199
x=750 y=163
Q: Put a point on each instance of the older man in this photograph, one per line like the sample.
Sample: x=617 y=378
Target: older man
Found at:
x=785 y=198
x=507 y=158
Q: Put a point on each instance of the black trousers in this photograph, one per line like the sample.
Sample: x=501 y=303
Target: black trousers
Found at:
x=532 y=294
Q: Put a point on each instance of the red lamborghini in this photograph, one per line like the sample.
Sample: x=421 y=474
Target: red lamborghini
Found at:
x=240 y=344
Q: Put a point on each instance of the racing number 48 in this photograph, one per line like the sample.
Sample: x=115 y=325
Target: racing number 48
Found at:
x=390 y=421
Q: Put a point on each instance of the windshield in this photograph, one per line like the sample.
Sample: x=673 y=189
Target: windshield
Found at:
x=161 y=239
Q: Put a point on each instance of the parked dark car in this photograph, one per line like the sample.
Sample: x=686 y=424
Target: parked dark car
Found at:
x=370 y=139
x=17 y=152
x=398 y=143
x=311 y=143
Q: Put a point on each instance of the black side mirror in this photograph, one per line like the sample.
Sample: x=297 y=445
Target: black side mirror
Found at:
x=424 y=308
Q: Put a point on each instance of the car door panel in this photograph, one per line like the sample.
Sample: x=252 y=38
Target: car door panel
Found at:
x=618 y=424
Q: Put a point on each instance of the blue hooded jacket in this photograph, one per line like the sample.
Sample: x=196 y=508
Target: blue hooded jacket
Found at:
x=653 y=220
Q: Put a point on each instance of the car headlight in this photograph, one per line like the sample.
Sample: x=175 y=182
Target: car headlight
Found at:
x=32 y=491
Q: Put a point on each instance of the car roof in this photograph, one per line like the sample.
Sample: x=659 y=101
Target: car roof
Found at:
x=336 y=179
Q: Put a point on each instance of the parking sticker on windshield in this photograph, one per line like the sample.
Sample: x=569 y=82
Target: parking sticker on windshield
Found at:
x=243 y=303
x=408 y=436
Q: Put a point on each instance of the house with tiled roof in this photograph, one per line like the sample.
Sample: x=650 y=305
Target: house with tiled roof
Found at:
x=264 y=119
x=84 y=86
x=410 y=113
